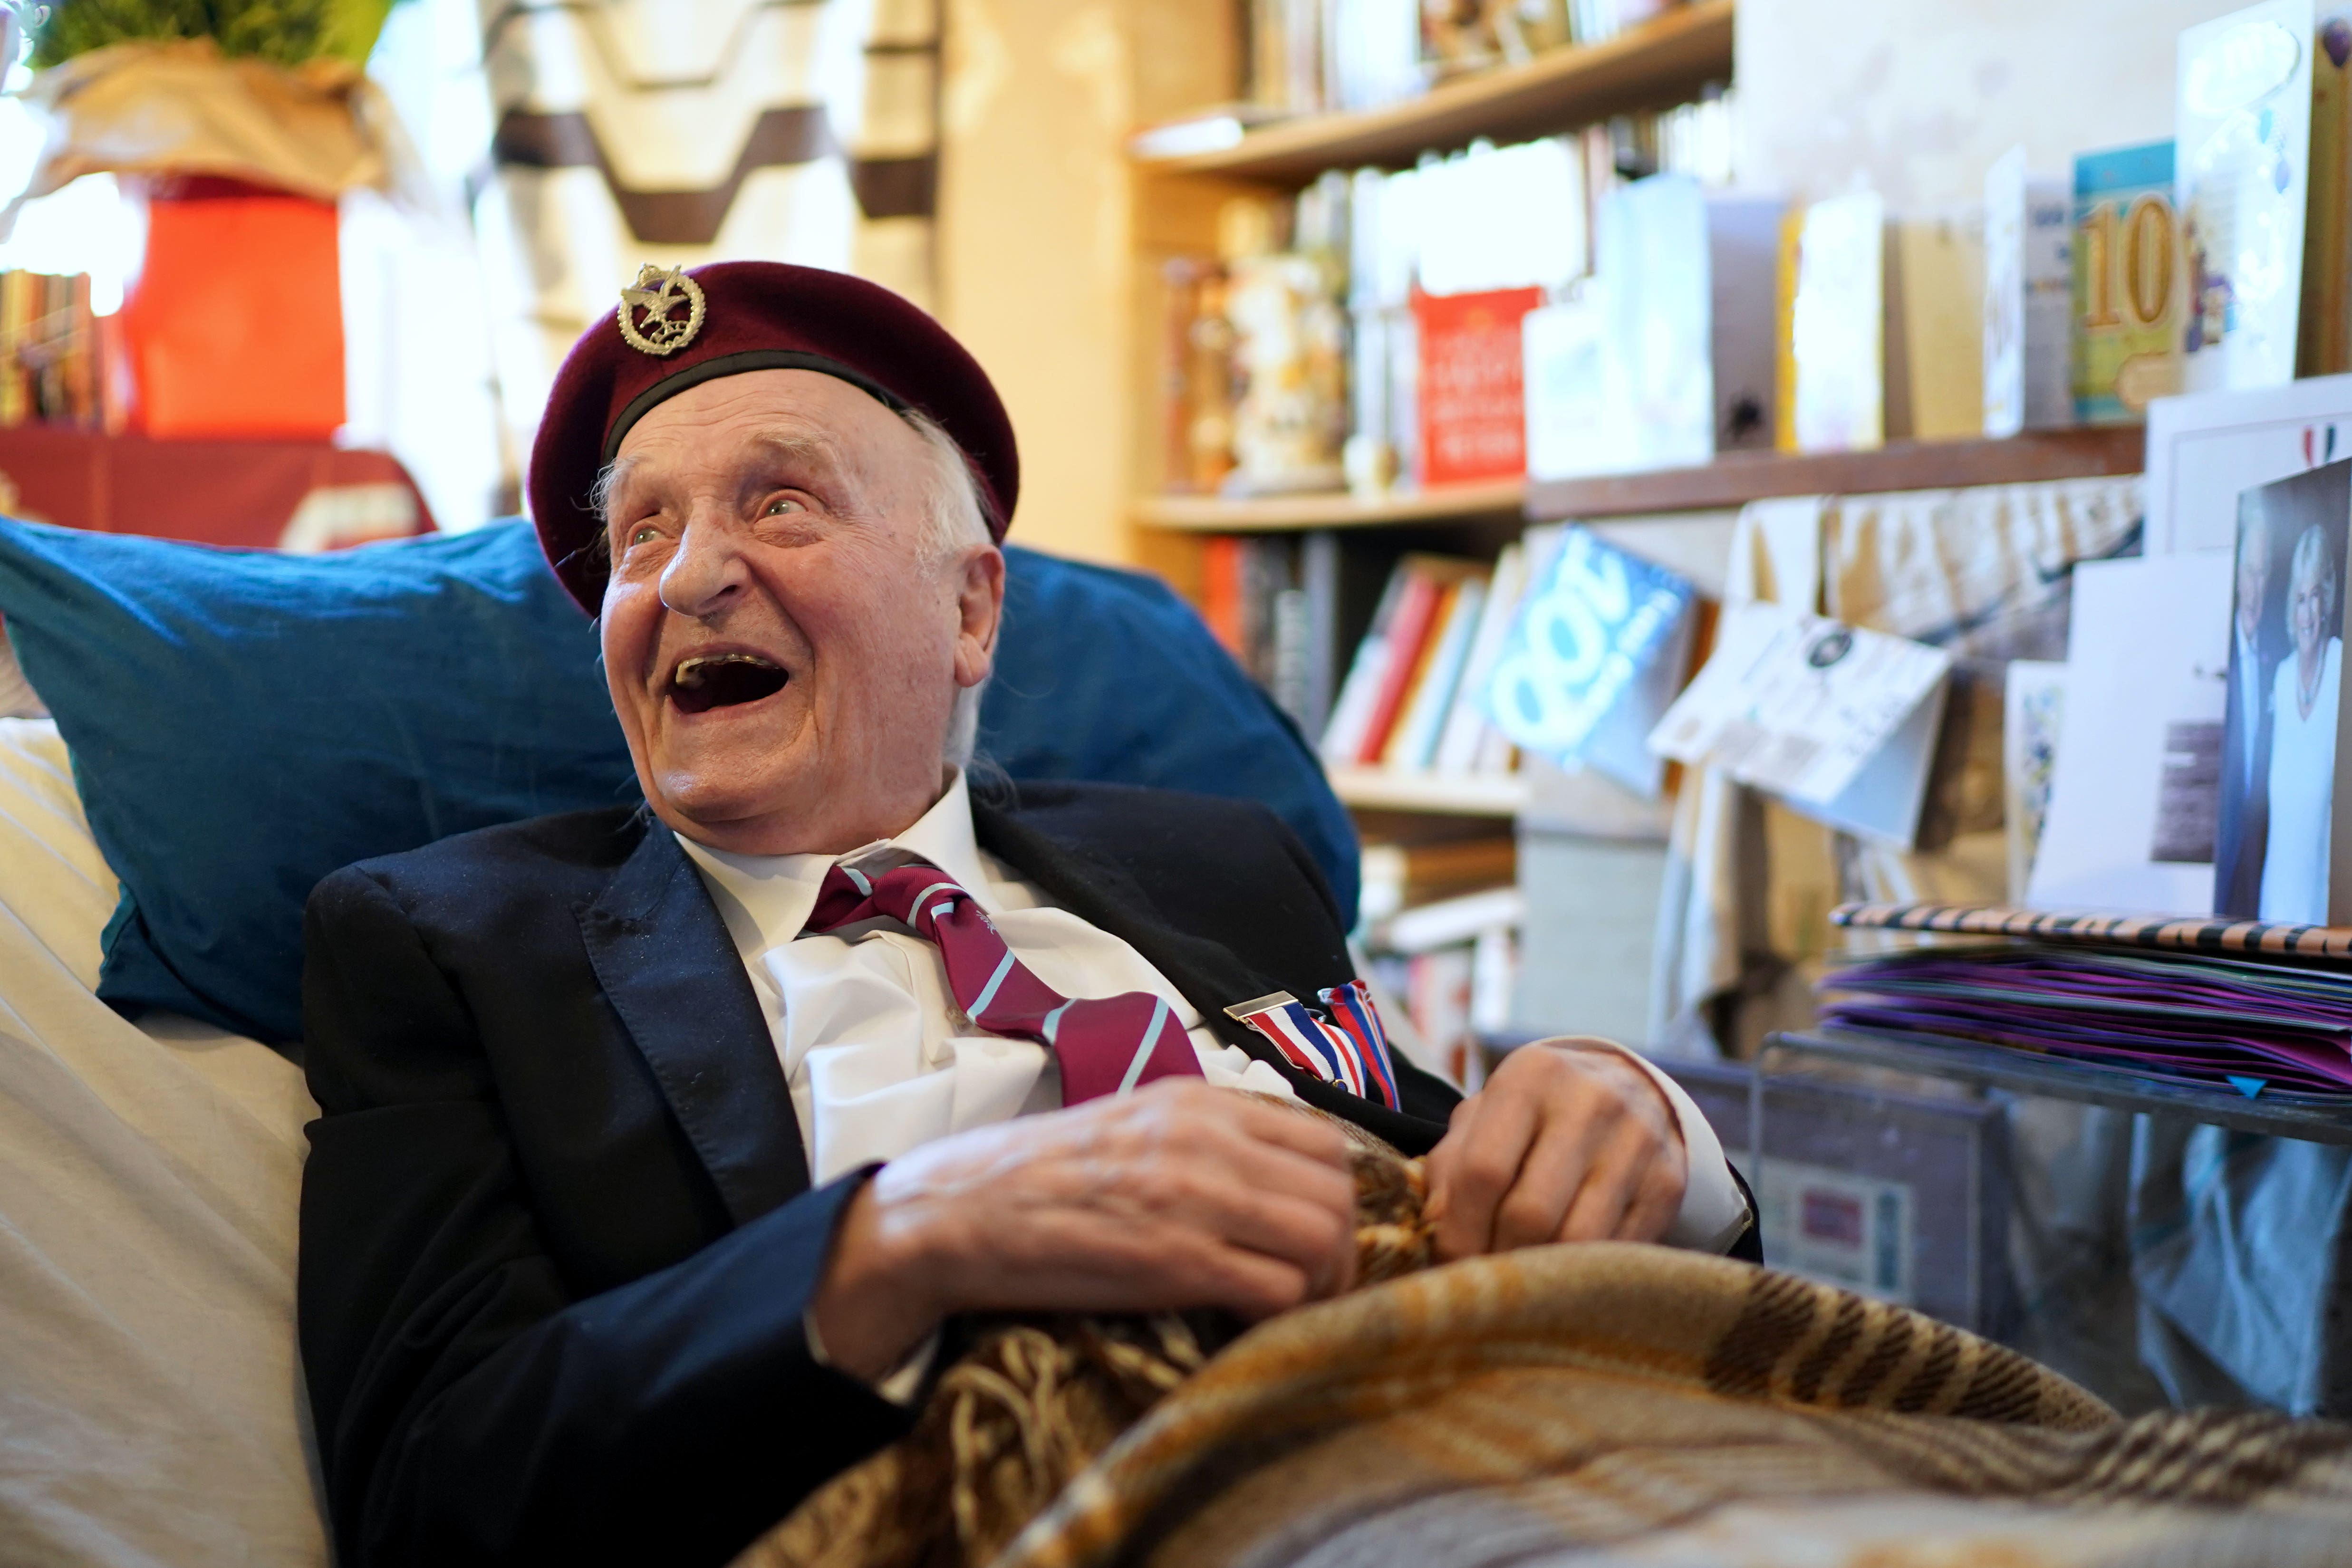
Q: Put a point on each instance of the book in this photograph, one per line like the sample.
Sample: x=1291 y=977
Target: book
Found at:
x=19 y=308
x=83 y=368
x=2211 y=1021
x=1832 y=380
x=1221 y=593
x=1472 y=420
x=1352 y=710
x=1466 y=723
x=1401 y=876
x=1417 y=614
x=1210 y=130
x=1415 y=744
x=2279 y=750
x=1438 y=1001
x=2028 y=299
x=2129 y=283
x=2241 y=174
x=1372 y=53
x=1584 y=631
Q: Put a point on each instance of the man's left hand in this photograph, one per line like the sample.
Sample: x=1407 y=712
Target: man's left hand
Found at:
x=1568 y=1141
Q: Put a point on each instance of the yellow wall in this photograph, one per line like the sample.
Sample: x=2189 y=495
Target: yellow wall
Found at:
x=1034 y=253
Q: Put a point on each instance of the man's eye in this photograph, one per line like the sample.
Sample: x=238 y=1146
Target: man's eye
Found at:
x=782 y=505
x=644 y=532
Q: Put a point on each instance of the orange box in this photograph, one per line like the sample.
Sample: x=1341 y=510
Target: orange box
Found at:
x=235 y=326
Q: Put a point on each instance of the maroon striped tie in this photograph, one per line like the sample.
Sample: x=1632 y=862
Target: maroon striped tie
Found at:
x=1105 y=1046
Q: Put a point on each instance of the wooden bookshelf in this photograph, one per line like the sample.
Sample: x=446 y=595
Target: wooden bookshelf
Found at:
x=1739 y=477
x=1459 y=795
x=1275 y=513
x=1662 y=61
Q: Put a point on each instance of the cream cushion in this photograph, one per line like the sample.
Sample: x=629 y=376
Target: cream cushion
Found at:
x=151 y=1410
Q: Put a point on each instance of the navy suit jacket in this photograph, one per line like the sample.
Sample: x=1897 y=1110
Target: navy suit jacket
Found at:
x=558 y=1233
x=2243 y=836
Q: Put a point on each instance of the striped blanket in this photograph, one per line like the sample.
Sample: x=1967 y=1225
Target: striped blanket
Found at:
x=1564 y=1405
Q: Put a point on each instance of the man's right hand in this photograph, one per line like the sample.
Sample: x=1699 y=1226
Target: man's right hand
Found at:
x=1176 y=1196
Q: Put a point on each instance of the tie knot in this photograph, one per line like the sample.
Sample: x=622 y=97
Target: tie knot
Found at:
x=914 y=894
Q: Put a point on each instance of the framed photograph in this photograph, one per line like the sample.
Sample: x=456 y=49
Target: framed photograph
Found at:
x=2283 y=740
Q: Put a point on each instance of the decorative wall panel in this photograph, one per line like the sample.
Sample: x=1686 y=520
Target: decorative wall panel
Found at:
x=681 y=131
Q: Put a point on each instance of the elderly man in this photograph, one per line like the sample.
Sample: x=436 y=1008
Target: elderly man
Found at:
x=659 y=1143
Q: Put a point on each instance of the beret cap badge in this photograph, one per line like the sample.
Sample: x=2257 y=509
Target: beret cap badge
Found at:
x=649 y=317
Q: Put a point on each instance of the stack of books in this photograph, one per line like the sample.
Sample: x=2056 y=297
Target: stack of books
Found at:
x=1413 y=699
x=1251 y=598
x=1319 y=346
x=53 y=353
x=2236 y=1006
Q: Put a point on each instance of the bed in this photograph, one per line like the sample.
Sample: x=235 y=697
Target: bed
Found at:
x=1566 y=1406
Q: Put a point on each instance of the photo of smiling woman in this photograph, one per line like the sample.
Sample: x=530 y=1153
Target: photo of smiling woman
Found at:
x=2304 y=691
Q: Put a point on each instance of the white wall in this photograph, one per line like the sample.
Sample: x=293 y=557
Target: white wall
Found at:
x=1917 y=96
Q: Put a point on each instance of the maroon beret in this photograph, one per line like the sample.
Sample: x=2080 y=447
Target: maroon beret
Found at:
x=676 y=330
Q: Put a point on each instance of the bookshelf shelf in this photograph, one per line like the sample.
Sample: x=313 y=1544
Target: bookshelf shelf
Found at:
x=1216 y=515
x=1743 y=476
x=1460 y=795
x=1729 y=481
x=1659 y=62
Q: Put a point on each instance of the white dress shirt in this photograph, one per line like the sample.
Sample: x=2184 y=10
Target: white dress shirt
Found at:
x=880 y=1059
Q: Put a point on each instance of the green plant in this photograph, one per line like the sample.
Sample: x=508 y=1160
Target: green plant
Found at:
x=285 y=31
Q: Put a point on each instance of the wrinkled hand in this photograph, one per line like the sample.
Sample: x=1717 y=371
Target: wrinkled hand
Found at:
x=1176 y=1196
x=1568 y=1141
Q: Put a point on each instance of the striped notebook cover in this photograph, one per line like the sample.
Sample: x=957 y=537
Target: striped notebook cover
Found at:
x=2249 y=938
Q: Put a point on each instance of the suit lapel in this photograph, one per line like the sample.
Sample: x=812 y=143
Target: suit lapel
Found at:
x=666 y=962
x=1102 y=894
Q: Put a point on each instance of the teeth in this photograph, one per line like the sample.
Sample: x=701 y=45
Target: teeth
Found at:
x=689 y=671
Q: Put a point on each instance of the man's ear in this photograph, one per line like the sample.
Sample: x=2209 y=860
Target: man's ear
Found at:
x=979 y=611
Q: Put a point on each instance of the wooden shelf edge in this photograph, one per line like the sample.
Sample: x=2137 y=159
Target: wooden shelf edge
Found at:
x=1217 y=515
x=1738 y=478
x=1680 y=51
x=1460 y=795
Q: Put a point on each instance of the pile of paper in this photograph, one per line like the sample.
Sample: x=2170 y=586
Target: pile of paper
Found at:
x=2209 y=1022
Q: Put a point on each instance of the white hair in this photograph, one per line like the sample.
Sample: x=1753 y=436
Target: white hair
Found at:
x=2312 y=562
x=955 y=521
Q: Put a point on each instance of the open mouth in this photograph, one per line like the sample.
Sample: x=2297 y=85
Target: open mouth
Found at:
x=724 y=679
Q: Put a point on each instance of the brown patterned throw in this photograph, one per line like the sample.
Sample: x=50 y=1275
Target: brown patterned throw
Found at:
x=1570 y=1407
x=1037 y=1398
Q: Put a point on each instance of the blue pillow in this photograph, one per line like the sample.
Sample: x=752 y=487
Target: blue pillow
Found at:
x=244 y=722
x=1106 y=675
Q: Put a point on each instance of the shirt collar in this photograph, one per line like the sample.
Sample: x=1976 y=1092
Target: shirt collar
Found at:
x=767 y=899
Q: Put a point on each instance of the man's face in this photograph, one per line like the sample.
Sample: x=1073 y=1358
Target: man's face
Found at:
x=782 y=650
x=2253 y=579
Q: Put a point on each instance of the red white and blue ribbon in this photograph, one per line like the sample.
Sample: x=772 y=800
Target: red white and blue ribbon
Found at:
x=1349 y=1050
